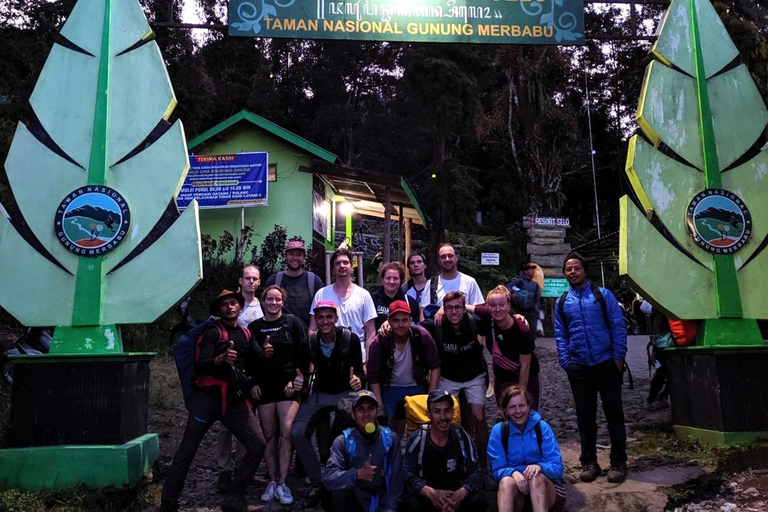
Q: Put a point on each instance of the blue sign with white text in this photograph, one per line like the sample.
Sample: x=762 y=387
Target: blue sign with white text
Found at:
x=225 y=181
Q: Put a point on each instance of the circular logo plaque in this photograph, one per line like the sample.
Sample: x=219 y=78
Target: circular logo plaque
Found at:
x=719 y=221
x=92 y=220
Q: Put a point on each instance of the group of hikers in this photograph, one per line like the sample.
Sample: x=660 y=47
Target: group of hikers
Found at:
x=359 y=372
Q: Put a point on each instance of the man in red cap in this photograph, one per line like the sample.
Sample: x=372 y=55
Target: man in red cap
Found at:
x=403 y=363
x=220 y=394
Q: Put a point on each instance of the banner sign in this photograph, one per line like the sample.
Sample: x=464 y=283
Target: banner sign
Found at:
x=560 y=222
x=554 y=286
x=225 y=181
x=489 y=258
x=558 y=22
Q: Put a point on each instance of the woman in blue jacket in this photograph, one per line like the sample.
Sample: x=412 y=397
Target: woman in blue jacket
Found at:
x=528 y=465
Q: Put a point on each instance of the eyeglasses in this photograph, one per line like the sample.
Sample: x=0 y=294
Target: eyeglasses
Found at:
x=453 y=308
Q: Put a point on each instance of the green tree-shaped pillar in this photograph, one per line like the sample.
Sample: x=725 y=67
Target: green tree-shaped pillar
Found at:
x=102 y=104
x=700 y=176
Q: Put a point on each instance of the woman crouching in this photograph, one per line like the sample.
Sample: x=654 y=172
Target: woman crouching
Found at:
x=525 y=457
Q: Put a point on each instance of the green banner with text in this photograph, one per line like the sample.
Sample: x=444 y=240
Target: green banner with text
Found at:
x=440 y=21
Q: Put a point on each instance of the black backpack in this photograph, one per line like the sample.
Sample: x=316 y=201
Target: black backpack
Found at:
x=600 y=300
x=505 y=436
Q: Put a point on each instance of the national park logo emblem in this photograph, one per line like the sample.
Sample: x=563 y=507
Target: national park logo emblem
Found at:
x=92 y=220
x=719 y=221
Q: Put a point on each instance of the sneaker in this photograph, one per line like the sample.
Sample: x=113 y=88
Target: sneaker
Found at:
x=234 y=502
x=314 y=496
x=617 y=474
x=224 y=482
x=590 y=472
x=284 y=494
x=269 y=492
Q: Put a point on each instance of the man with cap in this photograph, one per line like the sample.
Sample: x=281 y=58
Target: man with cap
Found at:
x=526 y=295
x=300 y=284
x=220 y=394
x=403 y=363
x=364 y=473
x=442 y=473
x=335 y=353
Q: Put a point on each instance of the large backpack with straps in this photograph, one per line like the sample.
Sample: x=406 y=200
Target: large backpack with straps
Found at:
x=600 y=300
x=505 y=436
x=310 y=281
x=419 y=442
x=185 y=353
x=346 y=338
x=387 y=440
x=416 y=412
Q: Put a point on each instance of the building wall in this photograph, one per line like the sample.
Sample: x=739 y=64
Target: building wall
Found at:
x=289 y=198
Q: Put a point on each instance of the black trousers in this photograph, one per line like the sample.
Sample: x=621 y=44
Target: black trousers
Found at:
x=475 y=502
x=204 y=411
x=586 y=382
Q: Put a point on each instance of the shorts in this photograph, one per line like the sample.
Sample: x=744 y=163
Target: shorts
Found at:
x=393 y=399
x=275 y=392
x=558 y=506
x=474 y=389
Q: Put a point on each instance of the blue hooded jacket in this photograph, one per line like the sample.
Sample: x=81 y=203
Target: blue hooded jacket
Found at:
x=588 y=340
x=524 y=450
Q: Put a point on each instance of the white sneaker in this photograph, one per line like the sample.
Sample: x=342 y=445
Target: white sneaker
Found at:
x=269 y=492
x=284 y=494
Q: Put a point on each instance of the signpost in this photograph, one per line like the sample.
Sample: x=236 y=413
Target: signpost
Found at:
x=225 y=181
x=489 y=258
x=554 y=287
x=439 y=21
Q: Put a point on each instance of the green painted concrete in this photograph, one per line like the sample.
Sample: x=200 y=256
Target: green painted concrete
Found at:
x=100 y=339
x=95 y=466
x=714 y=437
x=289 y=198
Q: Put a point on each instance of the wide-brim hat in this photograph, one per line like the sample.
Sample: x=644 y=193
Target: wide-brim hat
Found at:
x=214 y=307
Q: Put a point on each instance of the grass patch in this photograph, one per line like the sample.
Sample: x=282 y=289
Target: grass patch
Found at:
x=82 y=499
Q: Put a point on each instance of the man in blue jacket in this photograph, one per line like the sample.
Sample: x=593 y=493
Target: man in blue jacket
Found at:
x=591 y=346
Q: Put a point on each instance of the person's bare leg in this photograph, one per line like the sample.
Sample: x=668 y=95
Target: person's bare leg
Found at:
x=268 y=416
x=286 y=412
x=542 y=493
x=509 y=498
x=480 y=431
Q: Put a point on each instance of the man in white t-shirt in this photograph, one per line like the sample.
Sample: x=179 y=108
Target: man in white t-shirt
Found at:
x=450 y=280
x=250 y=279
x=354 y=304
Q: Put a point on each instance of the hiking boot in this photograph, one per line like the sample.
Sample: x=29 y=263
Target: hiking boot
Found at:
x=617 y=474
x=590 y=472
x=269 y=492
x=234 y=502
x=224 y=482
x=661 y=403
x=284 y=494
x=314 y=496
x=169 y=507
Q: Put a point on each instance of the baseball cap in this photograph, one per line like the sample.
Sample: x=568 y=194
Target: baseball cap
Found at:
x=438 y=394
x=295 y=244
x=399 y=306
x=529 y=265
x=362 y=395
x=325 y=304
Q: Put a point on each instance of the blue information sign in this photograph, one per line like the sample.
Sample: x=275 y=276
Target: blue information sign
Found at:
x=225 y=181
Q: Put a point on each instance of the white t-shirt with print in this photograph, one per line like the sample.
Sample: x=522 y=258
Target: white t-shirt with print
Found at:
x=461 y=283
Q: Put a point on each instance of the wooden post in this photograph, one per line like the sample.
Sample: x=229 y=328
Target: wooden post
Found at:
x=407 y=223
x=387 y=226
x=400 y=224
